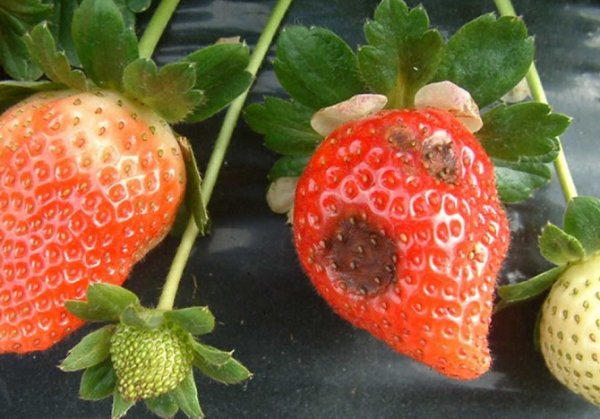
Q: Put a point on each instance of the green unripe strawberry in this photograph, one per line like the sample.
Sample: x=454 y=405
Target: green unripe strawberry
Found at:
x=570 y=329
x=149 y=363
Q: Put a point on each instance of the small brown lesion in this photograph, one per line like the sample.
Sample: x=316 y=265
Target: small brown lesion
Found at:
x=361 y=259
x=402 y=138
x=439 y=158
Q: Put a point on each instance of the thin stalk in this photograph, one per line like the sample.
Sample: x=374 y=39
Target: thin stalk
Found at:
x=156 y=27
x=565 y=178
x=167 y=298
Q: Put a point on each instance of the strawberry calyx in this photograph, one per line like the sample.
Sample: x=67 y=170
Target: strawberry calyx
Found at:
x=148 y=355
x=577 y=242
x=404 y=56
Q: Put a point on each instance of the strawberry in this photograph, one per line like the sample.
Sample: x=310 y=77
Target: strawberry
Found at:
x=398 y=225
x=162 y=360
x=397 y=214
x=90 y=182
x=570 y=329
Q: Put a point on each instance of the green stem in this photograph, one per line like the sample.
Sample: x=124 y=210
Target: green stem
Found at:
x=156 y=27
x=167 y=298
x=565 y=178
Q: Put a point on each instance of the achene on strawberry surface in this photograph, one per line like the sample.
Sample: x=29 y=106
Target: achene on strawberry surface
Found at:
x=397 y=223
x=89 y=183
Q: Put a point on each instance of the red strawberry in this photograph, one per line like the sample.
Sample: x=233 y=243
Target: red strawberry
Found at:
x=89 y=183
x=397 y=223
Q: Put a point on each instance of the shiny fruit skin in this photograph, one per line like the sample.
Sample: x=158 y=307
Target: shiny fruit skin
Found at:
x=570 y=329
x=89 y=183
x=397 y=223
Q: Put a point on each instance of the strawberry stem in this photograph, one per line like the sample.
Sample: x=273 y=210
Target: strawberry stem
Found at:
x=167 y=298
x=565 y=178
x=156 y=27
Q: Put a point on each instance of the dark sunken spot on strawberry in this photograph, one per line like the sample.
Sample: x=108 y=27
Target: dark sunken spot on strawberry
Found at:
x=403 y=138
x=439 y=158
x=361 y=258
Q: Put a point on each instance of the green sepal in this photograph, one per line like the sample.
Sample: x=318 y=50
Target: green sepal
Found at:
x=138 y=6
x=182 y=219
x=54 y=64
x=231 y=372
x=86 y=312
x=212 y=355
x=142 y=318
x=193 y=188
x=186 y=396
x=12 y=92
x=195 y=320
x=104 y=44
x=288 y=166
x=110 y=299
x=92 y=350
x=516 y=181
x=559 y=247
x=163 y=406
x=17 y=17
x=286 y=126
x=98 y=382
x=316 y=67
x=488 y=57
x=120 y=405
x=528 y=289
x=221 y=75
x=170 y=91
x=60 y=26
x=582 y=221
x=525 y=132
x=403 y=54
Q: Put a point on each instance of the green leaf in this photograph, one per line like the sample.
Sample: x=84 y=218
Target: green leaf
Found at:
x=404 y=54
x=16 y=19
x=530 y=288
x=488 y=57
x=142 y=318
x=84 y=311
x=55 y=65
x=193 y=188
x=316 y=67
x=559 y=247
x=120 y=405
x=127 y=14
x=110 y=299
x=104 y=45
x=196 y=320
x=582 y=221
x=525 y=132
x=138 y=6
x=286 y=126
x=186 y=396
x=181 y=221
x=212 y=355
x=221 y=75
x=12 y=92
x=60 y=26
x=93 y=349
x=98 y=382
x=292 y=166
x=232 y=372
x=170 y=91
x=163 y=406
x=516 y=181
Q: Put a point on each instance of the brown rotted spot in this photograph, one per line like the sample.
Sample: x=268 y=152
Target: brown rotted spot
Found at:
x=402 y=138
x=439 y=158
x=361 y=259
